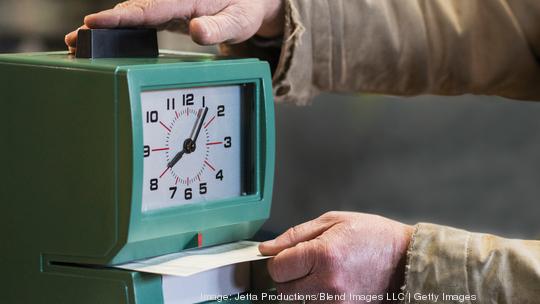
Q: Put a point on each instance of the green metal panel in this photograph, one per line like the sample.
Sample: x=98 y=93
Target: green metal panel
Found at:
x=64 y=60
x=72 y=164
x=59 y=176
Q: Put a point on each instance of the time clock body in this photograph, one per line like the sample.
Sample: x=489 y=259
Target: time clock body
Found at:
x=116 y=160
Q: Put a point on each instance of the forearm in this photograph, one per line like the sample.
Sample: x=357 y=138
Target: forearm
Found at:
x=488 y=268
x=410 y=47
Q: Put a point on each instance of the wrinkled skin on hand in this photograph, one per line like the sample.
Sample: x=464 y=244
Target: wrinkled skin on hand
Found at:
x=340 y=252
x=206 y=21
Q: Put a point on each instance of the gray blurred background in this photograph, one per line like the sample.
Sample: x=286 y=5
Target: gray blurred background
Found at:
x=471 y=162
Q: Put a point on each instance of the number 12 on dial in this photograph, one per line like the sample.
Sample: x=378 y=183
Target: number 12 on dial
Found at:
x=193 y=145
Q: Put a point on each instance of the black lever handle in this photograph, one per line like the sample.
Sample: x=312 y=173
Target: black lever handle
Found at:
x=117 y=43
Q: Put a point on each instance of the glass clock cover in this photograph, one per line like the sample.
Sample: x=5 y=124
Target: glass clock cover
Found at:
x=193 y=145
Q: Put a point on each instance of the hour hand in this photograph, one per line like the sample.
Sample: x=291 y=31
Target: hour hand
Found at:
x=187 y=148
x=175 y=159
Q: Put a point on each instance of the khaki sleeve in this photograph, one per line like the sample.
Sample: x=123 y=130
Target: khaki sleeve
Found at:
x=412 y=47
x=471 y=268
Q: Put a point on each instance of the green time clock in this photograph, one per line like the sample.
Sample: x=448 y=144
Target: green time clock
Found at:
x=107 y=161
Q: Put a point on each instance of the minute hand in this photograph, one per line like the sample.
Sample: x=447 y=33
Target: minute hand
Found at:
x=200 y=125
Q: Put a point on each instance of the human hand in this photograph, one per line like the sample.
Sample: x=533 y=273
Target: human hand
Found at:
x=207 y=21
x=340 y=252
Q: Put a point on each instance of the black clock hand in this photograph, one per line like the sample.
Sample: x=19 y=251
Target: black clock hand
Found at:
x=176 y=158
x=187 y=146
x=196 y=124
x=200 y=125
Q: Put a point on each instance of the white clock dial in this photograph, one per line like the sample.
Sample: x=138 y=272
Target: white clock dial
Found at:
x=192 y=145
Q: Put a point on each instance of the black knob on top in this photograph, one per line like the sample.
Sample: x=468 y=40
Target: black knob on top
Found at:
x=117 y=43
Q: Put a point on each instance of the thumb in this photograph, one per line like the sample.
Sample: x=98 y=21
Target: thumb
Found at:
x=71 y=39
x=297 y=234
x=230 y=25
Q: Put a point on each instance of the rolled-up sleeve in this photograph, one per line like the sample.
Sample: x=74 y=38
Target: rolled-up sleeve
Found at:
x=407 y=48
x=470 y=267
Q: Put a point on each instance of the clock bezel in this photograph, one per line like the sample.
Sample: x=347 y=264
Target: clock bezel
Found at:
x=219 y=221
x=175 y=229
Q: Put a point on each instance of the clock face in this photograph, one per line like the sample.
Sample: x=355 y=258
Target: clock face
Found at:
x=193 y=145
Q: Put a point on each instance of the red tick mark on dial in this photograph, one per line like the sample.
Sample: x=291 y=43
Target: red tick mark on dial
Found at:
x=165 y=126
x=210 y=121
x=210 y=166
x=160 y=149
x=164 y=172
